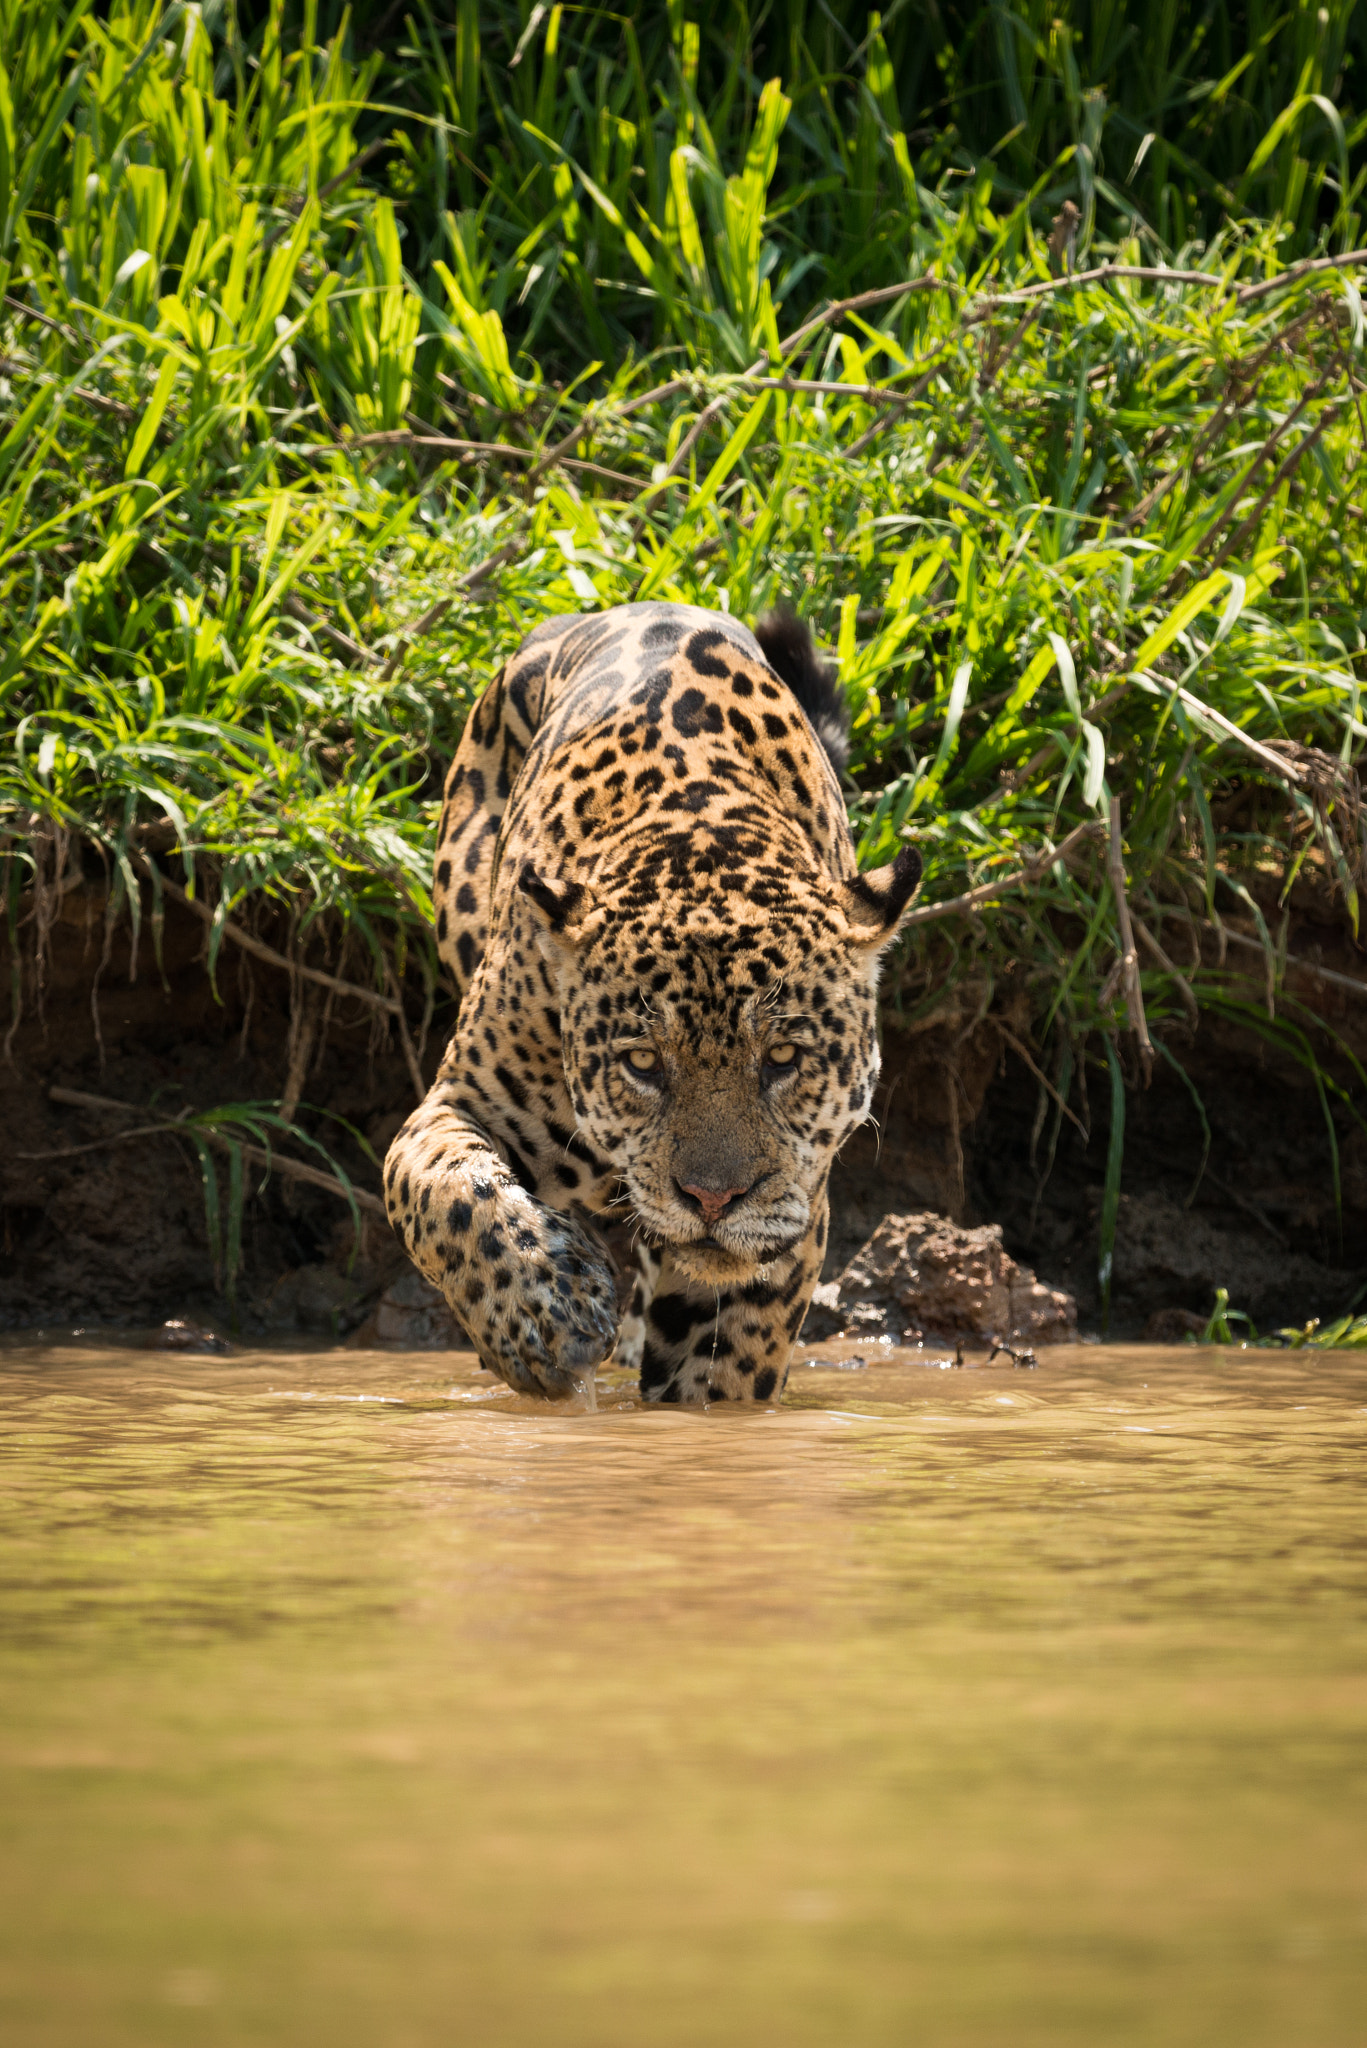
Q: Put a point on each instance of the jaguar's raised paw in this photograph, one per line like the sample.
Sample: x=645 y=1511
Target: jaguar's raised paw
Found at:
x=556 y=1317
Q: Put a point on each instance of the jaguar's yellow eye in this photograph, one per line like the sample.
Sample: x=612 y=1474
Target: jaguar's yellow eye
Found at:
x=781 y=1055
x=643 y=1060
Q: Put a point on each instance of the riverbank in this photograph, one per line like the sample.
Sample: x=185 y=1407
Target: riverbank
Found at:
x=103 y=1228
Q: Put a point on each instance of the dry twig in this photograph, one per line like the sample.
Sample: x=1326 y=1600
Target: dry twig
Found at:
x=987 y=892
x=840 y=307
x=1174 y=973
x=1284 y=469
x=1149 y=273
x=1313 y=266
x=274 y=1162
x=594 y=416
x=249 y=943
x=450 y=444
x=43 y=319
x=1328 y=975
x=431 y=617
x=1039 y=1074
x=1129 y=963
x=406 y=1039
x=435 y=613
x=1278 y=434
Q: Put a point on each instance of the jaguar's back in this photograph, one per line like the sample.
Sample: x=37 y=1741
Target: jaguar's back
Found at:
x=616 y=710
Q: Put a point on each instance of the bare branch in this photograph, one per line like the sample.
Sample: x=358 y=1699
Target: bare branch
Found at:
x=1327 y=975
x=1009 y=784
x=872 y=394
x=1039 y=1074
x=840 y=307
x=1313 y=266
x=249 y=943
x=1284 y=469
x=343 y=642
x=491 y=562
x=594 y=415
x=401 y=437
x=10 y=368
x=406 y=1040
x=1173 y=972
x=902 y=399
x=437 y=612
x=1278 y=434
x=97 y=1144
x=1287 y=770
x=296 y=205
x=1149 y=273
x=431 y=617
x=987 y=892
x=43 y=319
x=1129 y=963
x=274 y=1162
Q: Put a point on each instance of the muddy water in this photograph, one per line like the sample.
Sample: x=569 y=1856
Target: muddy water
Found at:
x=346 y=1699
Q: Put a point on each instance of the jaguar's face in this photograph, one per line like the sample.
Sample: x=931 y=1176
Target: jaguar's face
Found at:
x=721 y=1082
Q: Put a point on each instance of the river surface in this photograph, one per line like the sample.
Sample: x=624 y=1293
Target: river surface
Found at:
x=348 y=1699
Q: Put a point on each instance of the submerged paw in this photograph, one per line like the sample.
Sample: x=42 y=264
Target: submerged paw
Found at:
x=558 y=1318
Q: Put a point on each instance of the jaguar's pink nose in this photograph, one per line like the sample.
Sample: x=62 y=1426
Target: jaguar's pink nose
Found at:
x=711 y=1201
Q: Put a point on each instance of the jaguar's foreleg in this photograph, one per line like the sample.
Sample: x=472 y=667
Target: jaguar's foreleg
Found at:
x=631 y=1337
x=535 y=1293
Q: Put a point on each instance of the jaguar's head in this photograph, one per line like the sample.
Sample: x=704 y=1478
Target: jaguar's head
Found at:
x=721 y=1062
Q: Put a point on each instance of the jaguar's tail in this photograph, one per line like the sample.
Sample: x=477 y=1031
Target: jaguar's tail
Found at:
x=787 y=645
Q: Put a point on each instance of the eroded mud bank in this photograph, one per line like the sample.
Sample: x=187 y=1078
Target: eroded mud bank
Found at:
x=100 y=1227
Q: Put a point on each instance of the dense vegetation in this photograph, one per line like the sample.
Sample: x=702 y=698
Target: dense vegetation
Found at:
x=336 y=352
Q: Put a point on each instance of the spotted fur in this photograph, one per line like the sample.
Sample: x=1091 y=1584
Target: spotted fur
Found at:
x=644 y=849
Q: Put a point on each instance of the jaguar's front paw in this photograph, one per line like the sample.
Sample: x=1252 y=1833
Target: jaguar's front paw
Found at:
x=548 y=1309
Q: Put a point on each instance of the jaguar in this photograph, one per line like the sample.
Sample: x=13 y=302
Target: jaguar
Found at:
x=647 y=897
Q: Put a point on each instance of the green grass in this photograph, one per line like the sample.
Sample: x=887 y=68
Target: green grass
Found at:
x=540 y=142
x=270 y=402
x=1230 y=1326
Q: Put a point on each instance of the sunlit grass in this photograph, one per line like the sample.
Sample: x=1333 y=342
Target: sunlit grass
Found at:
x=1230 y=1326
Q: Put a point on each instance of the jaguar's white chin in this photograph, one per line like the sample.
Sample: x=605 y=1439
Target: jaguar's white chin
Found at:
x=733 y=1249
x=704 y=1260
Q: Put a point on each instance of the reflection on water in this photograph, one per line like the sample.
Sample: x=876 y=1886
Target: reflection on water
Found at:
x=346 y=1698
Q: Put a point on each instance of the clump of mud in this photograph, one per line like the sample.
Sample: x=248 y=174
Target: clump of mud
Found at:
x=920 y=1277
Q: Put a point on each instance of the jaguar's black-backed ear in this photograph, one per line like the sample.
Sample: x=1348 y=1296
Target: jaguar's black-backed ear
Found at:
x=875 y=902
x=559 y=902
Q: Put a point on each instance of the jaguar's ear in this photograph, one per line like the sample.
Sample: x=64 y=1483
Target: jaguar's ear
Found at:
x=874 y=902
x=561 y=904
